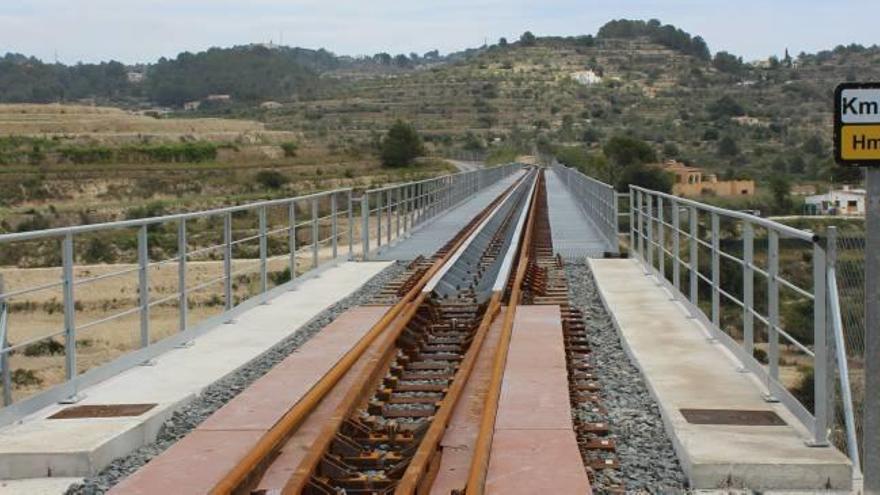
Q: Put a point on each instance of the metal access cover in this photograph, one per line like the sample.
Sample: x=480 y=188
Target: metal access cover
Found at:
x=99 y=411
x=731 y=417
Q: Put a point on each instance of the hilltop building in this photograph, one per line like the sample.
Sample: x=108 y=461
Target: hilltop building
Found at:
x=848 y=201
x=587 y=77
x=692 y=181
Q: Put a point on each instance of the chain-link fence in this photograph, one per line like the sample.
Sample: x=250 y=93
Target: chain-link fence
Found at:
x=851 y=289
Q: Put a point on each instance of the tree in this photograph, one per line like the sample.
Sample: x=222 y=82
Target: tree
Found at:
x=780 y=188
x=271 y=179
x=725 y=62
x=528 y=39
x=502 y=42
x=623 y=152
x=401 y=145
x=645 y=176
x=725 y=107
x=727 y=147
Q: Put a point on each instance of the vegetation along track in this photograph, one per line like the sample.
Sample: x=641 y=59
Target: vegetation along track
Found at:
x=383 y=437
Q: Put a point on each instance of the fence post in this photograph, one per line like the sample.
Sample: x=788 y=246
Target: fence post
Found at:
x=227 y=261
x=676 y=246
x=398 y=196
x=388 y=216
x=4 y=356
x=820 y=348
x=661 y=239
x=69 y=308
x=291 y=238
x=773 y=305
x=315 y=233
x=632 y=221
x=365 y=226
x=144 y=285
x=350 y=226
x=334 y=227
x=716 y=271
x=650 y=214
x=183 y=301
x=264 y=267
x=378 y=219
x=749 y=289
x=693 y=258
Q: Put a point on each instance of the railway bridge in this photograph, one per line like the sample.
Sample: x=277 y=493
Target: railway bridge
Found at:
x=514 y=329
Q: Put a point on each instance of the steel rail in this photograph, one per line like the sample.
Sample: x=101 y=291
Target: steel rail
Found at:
x=266 y=447
x=418 y=467
x=482 y=448
x=362 y=387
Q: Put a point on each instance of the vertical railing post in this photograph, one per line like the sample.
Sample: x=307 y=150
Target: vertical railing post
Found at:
x=632 y=221
x=749 y=288
x=144 y=285
x=820 y=347
x=365 y=226
x=315 y=233
x=676 y=246
x=716 y=271
x=693 y=258
x=67 y=281
x=388 y=214
x=650 y=214
x=227 y=261
x=350 y=217
x=378 y=218
x=334 y=227
x=264 y=255
x=183 y=294
x=773 y=302
x=5 y=371
x=398 y=196
x=291 y=238
x=641 y=225
x=661 y=239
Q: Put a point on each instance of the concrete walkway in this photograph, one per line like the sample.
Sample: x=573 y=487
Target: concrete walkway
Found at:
x=684 y=370
x=39 y=447
x=574 y=235
x=431 y=236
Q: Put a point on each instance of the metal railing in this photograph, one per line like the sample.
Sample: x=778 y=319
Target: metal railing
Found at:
x=391 y=213
x=253 y=252
x=597 y=199
x=763 y=289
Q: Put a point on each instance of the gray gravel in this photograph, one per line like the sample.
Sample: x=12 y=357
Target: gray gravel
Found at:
x=221 y=392
x=648 y=462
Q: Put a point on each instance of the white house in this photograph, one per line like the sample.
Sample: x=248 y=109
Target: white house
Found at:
x=846 y=201
x=586 y=77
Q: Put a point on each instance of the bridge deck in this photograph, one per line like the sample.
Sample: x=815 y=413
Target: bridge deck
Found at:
x=431 y=236
x=574 y=234
x=684 y=370
x=81 y=447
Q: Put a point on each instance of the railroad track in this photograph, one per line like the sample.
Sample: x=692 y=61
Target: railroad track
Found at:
x=384 y=435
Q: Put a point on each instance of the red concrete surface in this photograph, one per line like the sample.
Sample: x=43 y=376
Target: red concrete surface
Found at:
x=535 y=449
x=198 y=461
x=464 y=426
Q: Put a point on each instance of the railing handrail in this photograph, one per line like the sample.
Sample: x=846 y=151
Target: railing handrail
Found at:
x=597 y=199
x=648 y=225
x=140 y=222
x=763 y=222
x=439 y=177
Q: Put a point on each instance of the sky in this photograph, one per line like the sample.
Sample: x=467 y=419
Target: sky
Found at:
x=133 y=31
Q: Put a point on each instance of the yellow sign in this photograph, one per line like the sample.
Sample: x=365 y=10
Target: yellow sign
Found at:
x=860 y=142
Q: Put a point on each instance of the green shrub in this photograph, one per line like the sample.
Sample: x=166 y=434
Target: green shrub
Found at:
x=44 y=348
x=271 y=179
x=26 y=378
x=290 y=149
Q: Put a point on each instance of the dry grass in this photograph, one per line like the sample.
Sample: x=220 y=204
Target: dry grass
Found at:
x=73 y=119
